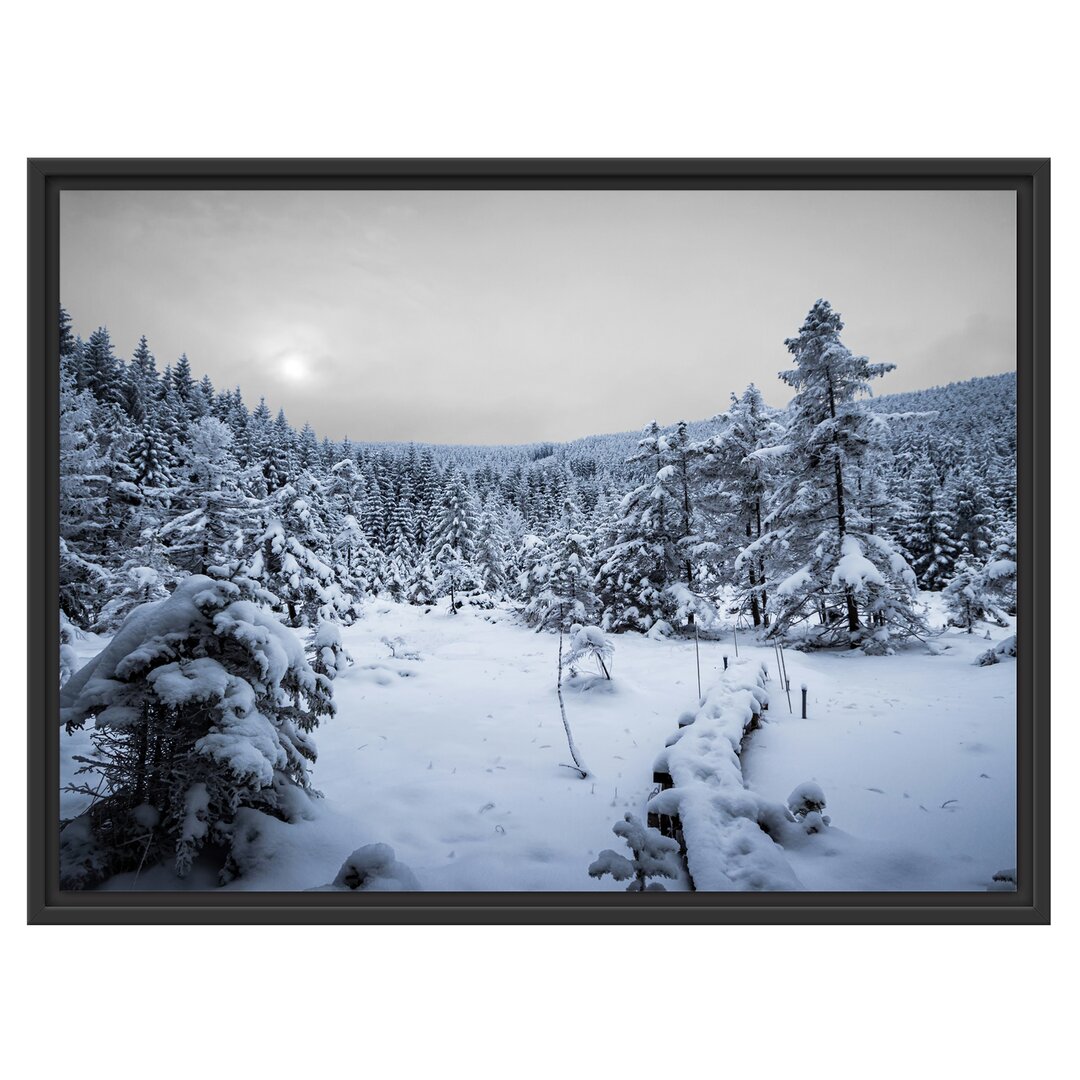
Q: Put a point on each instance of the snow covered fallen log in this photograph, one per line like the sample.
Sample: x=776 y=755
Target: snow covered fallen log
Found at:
x=726 y=830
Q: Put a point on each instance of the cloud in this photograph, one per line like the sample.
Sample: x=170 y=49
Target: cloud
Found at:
x=502 y=316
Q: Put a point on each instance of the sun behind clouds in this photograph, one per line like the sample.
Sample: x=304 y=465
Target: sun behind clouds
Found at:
x=294 y=367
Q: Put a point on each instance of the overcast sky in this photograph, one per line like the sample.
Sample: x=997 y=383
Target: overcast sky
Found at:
x=500 y=317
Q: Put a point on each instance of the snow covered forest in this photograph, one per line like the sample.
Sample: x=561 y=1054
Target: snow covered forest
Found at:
x=253 y=616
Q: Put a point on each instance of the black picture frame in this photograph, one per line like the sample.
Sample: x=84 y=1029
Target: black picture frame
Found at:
x=1029 y=177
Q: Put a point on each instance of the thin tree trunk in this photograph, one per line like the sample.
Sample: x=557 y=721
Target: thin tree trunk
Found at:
x=841 y=521
x=761 y=568
x=755 y=607
x=562 y=709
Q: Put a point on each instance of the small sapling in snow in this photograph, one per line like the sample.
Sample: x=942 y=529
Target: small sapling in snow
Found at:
x=654 y=855
x=588 y=643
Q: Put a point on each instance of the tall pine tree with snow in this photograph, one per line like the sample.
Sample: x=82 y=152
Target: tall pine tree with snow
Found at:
x=641 y=557
x=98 y=369
x=930 y=537
x=491 y=548
x=562 y=590
x=214 y=515
x=973 y=513
x=141 y=389
x=84 y=561
x=835 y=579
x=292 y=557
x=454 y=540
x=731 y=477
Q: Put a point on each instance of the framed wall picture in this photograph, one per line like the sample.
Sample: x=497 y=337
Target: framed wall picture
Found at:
x=539 y=541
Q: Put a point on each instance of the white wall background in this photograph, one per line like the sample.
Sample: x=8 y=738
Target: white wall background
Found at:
x=524 y=79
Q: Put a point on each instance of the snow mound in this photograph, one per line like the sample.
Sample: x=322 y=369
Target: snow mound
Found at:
x=805 y=798
x=372 y=868
x=1004 y=650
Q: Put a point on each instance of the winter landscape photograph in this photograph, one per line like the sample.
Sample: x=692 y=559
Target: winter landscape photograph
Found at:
x=537 y=541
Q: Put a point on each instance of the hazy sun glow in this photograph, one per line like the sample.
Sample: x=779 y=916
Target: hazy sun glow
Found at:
x=293 y=367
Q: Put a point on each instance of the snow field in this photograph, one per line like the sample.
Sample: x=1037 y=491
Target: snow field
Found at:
x=452 y=754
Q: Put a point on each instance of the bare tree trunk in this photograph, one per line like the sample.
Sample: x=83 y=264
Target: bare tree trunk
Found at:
x=584 y=772
x=761 y=568
x=755 y=606
x=841 y=522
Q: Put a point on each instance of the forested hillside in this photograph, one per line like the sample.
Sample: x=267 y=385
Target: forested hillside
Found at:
x=164 y=474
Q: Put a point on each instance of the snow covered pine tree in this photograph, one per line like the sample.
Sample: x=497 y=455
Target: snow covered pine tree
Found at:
x=203 y=705
x=834 y=567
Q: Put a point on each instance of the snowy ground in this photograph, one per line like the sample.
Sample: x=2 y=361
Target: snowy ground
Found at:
x=452 y=753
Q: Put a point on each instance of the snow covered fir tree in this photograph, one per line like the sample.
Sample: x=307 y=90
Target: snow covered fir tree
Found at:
x=228 y=582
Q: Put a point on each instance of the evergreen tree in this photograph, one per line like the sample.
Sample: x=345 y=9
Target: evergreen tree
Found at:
x=204 y=707
x=280 y=465
x=181 y=381
x=151 y=464
x=454 y=541
x=1000 y=571
x=641 y=558
x=141 y=386
x=214 y=514
x=491 y=547
x=293 y=557
x=395 y=580
x=563 y=593
x=825 y=559
x=973 y=514
x=731 y=476
x=328 y=656
x=966 y=598
x=308 y=457
x=84 y=575
x=67 y=338
x=205 y=398
x=654 y=855
x=930 y=538
x=144 y=578
x=420 y=587
x=402 y=526
x=99 y=370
